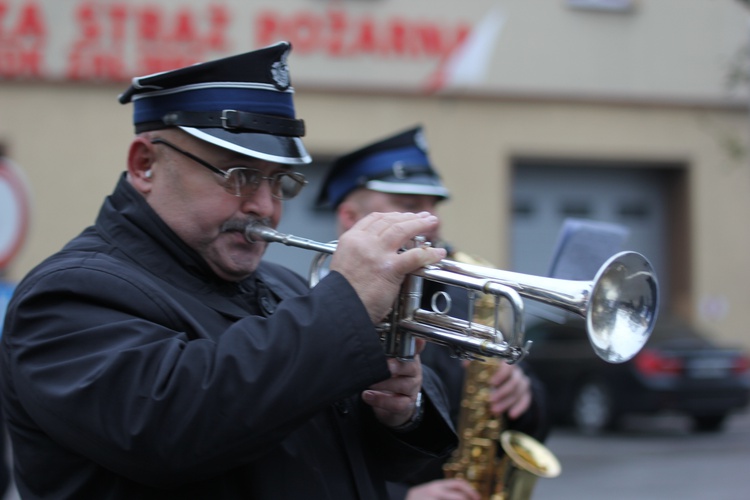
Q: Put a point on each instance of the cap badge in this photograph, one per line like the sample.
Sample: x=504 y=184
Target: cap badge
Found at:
x=280 y=72
x=399 y=170
x=420 y=140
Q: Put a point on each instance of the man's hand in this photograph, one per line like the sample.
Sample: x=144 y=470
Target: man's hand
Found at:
x=394 y=400
x=511 y=391
x=443 y=489
x=369 y=256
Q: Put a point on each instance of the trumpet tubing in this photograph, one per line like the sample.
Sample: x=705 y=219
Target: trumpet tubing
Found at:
x=620 y=304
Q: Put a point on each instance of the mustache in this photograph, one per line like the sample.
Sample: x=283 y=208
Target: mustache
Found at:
x=241 y=224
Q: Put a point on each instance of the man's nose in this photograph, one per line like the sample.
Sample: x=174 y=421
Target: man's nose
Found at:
x=261 y=202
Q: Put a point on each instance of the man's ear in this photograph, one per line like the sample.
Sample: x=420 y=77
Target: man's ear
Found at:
x=141 y=157
x=347 y=214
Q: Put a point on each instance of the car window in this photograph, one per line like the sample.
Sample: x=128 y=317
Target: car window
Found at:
x=546 y=332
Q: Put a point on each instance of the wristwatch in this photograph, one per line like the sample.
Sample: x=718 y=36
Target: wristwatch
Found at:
x=415 y=419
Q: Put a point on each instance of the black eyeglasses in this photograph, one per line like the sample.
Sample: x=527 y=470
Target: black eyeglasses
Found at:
x=245 y=181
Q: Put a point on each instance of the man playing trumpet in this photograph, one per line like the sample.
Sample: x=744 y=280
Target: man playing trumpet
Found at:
x=157 y=356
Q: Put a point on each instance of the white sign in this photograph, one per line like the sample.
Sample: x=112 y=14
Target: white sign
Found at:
x=14 y=211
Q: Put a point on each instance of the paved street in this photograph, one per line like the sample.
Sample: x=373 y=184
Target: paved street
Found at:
x=653 y=458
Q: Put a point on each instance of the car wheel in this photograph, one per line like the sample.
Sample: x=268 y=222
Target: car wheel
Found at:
x=593 y=408
x=708 y=423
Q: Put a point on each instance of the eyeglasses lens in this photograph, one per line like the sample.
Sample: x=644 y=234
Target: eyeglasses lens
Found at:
x=245 y=181
x=289 y=186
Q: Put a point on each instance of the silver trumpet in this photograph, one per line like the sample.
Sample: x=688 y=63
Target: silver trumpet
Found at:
x=620 y=304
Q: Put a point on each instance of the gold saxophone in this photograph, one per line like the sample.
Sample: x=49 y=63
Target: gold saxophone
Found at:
x=500 y=464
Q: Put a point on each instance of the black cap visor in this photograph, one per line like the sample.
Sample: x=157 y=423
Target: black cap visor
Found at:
x=273 y=148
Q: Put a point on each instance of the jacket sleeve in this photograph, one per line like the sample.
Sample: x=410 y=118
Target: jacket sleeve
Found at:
x=77 y=335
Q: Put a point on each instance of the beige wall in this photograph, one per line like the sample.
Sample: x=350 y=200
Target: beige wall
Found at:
x=72 y=140
x=673 y=49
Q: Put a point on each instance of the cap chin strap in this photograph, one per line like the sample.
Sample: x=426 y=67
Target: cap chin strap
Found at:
x=229 y=119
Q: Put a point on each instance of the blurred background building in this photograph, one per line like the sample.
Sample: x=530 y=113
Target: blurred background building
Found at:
x=628 y=111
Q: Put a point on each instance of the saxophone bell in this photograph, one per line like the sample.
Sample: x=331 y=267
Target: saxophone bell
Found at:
x=499 y=463
x=511 y=475
x=527 y=460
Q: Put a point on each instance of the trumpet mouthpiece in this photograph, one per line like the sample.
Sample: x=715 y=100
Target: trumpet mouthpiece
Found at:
x=256 y=232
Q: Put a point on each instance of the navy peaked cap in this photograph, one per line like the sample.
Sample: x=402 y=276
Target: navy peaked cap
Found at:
x=242 y=103
x=398 y=164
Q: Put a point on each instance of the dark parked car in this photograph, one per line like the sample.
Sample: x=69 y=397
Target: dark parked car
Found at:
x=678 y=370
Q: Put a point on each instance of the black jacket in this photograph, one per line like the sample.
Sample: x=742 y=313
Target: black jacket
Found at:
x=130 y=371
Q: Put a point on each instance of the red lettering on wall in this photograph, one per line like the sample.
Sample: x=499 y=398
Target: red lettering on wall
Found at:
x=365 y=41
x=337 y=33
x=149 y=23
x=184 y=30
x=23 y=34
x=87 y=20
x=30 y=23
x=430 y=39
x=216 y=38
x=398 y=35
x=3 y=13
x=307 y=30
x=118 y=17
x=95 y=65
x=172 y=39
x=338 y=24
x=161 y=38
x=20 y=63
x=112 y=40
x=266 y=27
x=98 y=51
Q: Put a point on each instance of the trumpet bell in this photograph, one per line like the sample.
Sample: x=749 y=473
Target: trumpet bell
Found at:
x=623 y=306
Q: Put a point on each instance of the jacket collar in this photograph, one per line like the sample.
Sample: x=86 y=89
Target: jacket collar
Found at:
x=128 y=222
